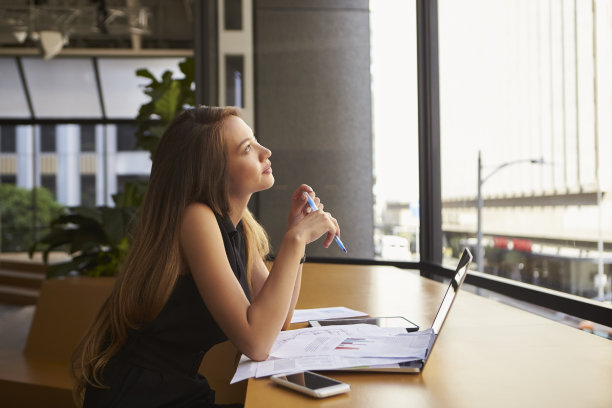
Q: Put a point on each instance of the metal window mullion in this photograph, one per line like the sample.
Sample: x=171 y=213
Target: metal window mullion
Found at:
x=430 y=237
x=26 y=90
x=206 y=52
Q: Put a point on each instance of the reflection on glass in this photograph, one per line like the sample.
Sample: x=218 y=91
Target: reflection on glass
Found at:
x=62 y=87
x=122 y=89
x=16 y=105
x=536 y=86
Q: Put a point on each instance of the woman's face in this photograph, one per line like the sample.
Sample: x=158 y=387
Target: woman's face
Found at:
x=248 y=162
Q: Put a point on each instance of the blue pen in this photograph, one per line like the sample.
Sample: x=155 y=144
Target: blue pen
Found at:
x=314 y=208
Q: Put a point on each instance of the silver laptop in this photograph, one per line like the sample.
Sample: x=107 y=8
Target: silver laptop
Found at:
x=447 y=302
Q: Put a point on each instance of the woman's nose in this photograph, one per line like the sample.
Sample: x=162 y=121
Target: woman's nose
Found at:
x=265 y=152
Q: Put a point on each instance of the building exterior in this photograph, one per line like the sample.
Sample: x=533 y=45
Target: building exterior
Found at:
x=80 y=164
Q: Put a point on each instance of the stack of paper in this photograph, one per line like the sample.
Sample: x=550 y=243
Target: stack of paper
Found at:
x=335 y=347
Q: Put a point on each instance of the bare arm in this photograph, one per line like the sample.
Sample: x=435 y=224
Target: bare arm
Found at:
x=260 y=274
x=251 y=327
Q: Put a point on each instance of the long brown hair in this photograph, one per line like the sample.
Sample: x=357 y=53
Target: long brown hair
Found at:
x=190 y=165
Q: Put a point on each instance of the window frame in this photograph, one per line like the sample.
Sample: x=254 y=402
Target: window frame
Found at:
x=430 y=239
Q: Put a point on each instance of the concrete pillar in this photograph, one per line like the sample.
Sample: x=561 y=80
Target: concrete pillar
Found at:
x=25 y=156
x=68 y=165
x=313 y=110
x=110 y=137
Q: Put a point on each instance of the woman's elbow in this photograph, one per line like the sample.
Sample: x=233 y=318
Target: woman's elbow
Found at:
x=258 y=355
x=256 y=350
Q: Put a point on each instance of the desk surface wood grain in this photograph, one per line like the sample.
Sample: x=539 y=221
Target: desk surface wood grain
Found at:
x=488 y=354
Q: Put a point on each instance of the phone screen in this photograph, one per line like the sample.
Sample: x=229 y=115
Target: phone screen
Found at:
x=311 y=380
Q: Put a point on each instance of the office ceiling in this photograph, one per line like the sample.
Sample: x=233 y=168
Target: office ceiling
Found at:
x=86 y=24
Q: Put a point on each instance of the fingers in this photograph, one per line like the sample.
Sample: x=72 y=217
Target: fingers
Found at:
x=318 y=204
x=332 y=233
x=298 y=193
x=332 y=228
x=301 y=208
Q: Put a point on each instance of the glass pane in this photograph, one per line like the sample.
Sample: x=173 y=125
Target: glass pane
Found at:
x=47 y=138
x=88 y=138
x=524 y=106
x=232 y=14
x=7 y=139
x=62 y=87
x=395 y=128
x=15 y=106
x=234 y=74
x=126 y=137
x=88 y=190
x=23 y=221
x=71 y=165
x=122 y=89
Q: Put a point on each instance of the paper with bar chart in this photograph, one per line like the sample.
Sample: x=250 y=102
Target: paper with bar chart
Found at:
x=335 y=347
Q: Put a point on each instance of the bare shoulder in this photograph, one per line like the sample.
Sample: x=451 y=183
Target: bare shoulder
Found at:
x=198 y=219
x=197 y=210
x=200 y=240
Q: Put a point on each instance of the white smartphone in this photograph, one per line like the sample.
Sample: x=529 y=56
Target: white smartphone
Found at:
x=315 y=385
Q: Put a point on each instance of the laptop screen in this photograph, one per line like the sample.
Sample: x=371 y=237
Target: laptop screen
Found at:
x=451 y=292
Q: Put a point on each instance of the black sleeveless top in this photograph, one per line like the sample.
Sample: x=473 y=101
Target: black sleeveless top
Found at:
x=158 y=365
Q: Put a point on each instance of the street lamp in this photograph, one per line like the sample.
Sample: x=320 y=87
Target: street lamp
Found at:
x=481 y=181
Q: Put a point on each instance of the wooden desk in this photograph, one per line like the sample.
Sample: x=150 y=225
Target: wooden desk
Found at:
x=488 y=354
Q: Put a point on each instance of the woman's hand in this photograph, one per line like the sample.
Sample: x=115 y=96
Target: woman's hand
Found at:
x=309 y=224
x=299 y=207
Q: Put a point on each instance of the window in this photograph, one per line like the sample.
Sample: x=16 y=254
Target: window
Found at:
x=88 y=190
x=7 y=141
x=8 y=179
x=395 y=129
x=49 y=181
x=88 y=138
x=47 y=139
x=232 y=13
x=126 y=137
x=234 y=77
x=524 y=115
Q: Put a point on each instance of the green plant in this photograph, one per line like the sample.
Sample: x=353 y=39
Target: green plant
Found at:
x=98 y=239
x=169 y=97
x=18 y=215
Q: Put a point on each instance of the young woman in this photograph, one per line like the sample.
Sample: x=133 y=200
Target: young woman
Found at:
x=195 y=274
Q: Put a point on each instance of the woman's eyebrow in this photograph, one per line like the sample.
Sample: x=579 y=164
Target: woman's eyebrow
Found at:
x=247 y=139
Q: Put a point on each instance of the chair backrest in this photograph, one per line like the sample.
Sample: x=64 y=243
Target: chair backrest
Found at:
x=64 y=311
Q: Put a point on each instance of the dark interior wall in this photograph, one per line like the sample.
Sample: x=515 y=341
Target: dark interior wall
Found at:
x=313 y=110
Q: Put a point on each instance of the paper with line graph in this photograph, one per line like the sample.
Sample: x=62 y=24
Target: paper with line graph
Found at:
x=336 y=347
x=358 y=340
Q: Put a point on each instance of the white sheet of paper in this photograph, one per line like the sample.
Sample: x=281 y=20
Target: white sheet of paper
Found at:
x=329 y=362
x=356 y=340
x=247 y=368
x=385 y=341
x=340 y=312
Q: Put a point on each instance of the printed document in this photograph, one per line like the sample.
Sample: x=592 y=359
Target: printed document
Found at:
x=336 y=347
